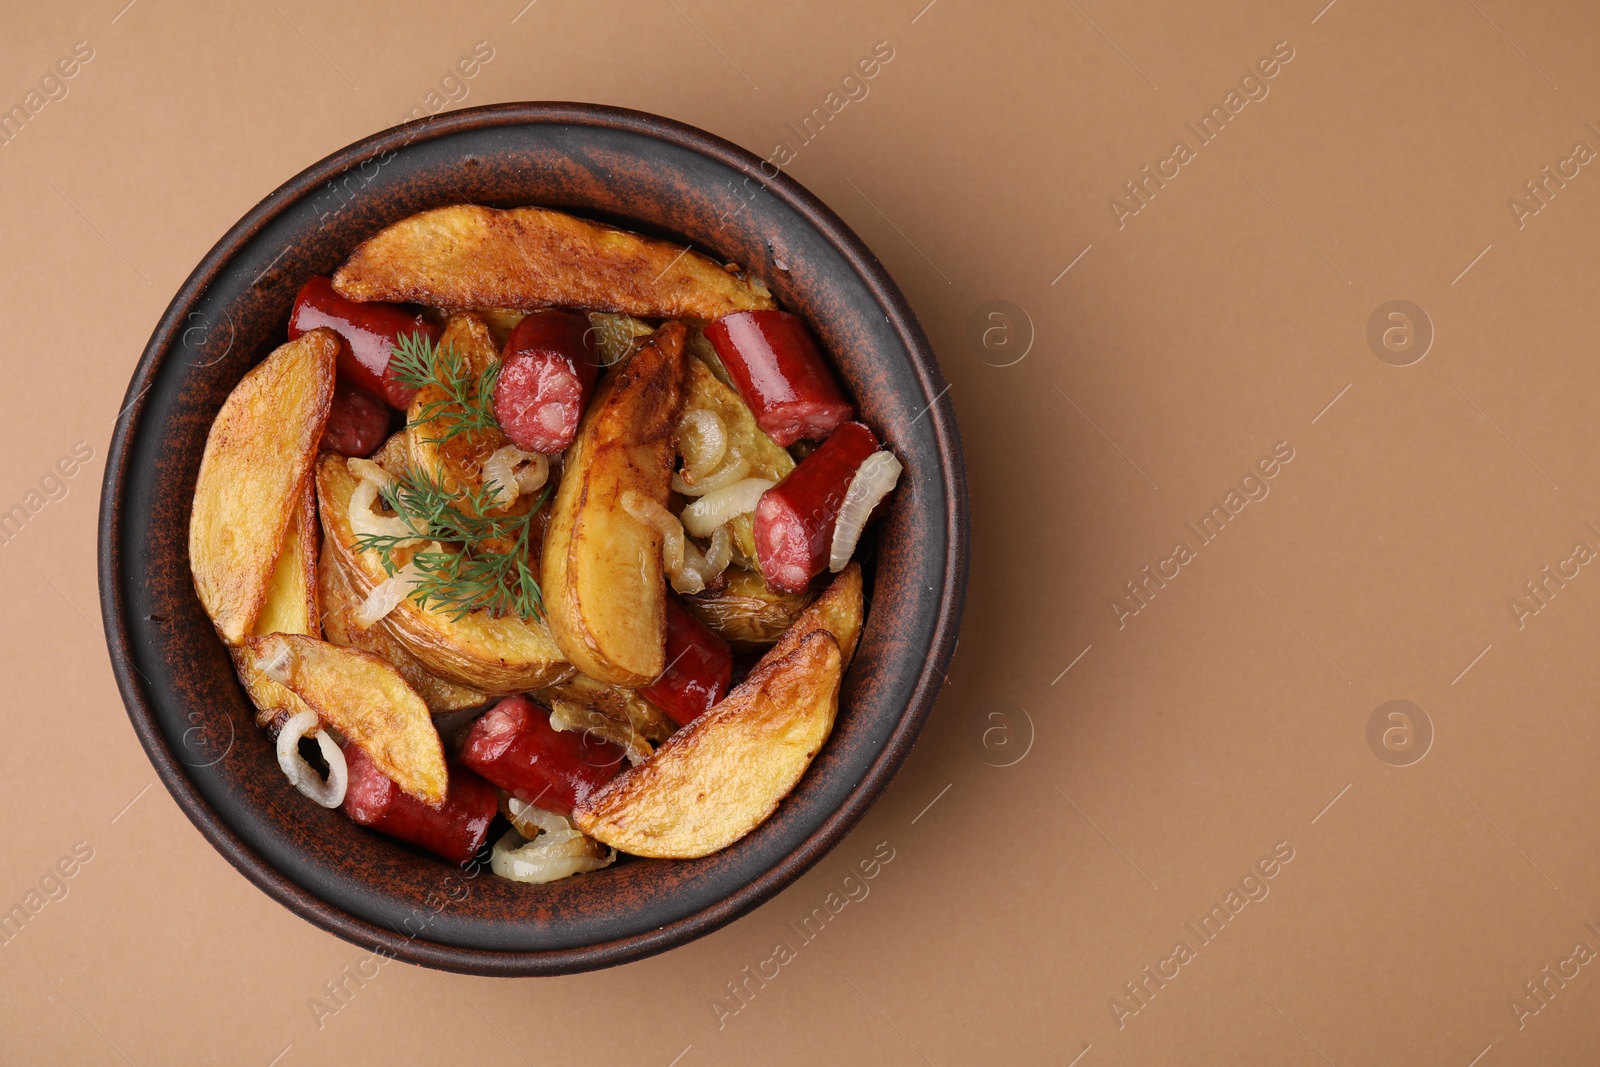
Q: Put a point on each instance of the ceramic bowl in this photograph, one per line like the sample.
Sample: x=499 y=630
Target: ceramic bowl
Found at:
x=639 y=171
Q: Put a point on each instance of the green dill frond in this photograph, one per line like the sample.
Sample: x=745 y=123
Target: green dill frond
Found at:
x=468 y=402
x=483 y=564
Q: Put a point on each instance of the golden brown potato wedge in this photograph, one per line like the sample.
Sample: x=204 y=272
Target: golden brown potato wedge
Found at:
x=746 y=441
x=610 y=712
x=721 y=776
x=456 y=462
x=338 y=604
x=746 y=612
x=291 y=607
x=602 y=573
x=366 y=700
x=837 y=610
x=467 y=256
x=496 y=656
x=257 y=458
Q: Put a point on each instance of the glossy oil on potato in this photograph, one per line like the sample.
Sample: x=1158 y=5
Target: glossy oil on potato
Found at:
x=292 y=607
x=467 y=256
x=602 y=571
x=338 y=626
x=496 y=656
x=724 y=774
x=369 y=702
x=257 y=457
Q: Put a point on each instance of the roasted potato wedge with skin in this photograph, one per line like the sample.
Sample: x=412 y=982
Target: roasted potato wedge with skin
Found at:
x=602 y=571
x=257 y=457
x=496 y=656
x=368 y=701
x=467 y=256
x=837 y=610
x=457 y=462
x=338 y=605
x=724 y=774
x=746 y=613
x=291 y=607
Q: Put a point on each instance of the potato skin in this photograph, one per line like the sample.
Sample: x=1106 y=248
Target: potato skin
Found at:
x=468 y=256
x=601 y=569
x=258 y=454
x=746 y=613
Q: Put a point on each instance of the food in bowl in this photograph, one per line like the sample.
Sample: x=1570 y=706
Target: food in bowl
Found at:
x=492 y=535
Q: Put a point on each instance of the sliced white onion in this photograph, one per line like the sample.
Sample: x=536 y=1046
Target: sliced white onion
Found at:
x=702 y=442
x=718 y=507
x=530 y=820
x=511 y=471
x=723 y=478
x=301 y=775
x=276 y=663
x=368 y=471
x=548 y=858
x=387 y=594
x=872 y=482
x=366 y=522
x=720 y=554
x=650 y=513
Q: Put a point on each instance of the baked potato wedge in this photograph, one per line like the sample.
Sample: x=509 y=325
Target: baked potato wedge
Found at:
x=723 y=775
x=497 y=656
x=746 y=612
x=257 y=457
x=601 y=571
x=291 y=607
x=468 y=256
x=338 y=626
x=367 y=700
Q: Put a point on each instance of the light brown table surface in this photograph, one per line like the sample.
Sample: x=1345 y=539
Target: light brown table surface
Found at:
x=1171 y=350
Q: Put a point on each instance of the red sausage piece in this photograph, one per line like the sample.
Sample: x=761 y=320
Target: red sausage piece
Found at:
x=515 y=747
x=455 y=830
x=795 y=518
x=776 y=366
x=699 y=668
x=369 y=331
x=358 y=423
x=546 y=377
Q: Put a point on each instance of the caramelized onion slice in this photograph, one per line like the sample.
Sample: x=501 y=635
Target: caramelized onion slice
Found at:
x=717 y=508
x=549 y=857
x=872 y=482
x=511 y=472
x=702 y=442
x=736 y=469
x=301 y=775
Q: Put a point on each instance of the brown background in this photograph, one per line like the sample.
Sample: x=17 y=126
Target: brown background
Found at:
x=1178 y=750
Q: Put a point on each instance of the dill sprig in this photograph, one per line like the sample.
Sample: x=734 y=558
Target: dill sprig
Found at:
x=484 y=567
x=468 y=401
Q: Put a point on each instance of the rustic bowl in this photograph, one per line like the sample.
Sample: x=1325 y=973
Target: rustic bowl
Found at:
x=640 y=171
